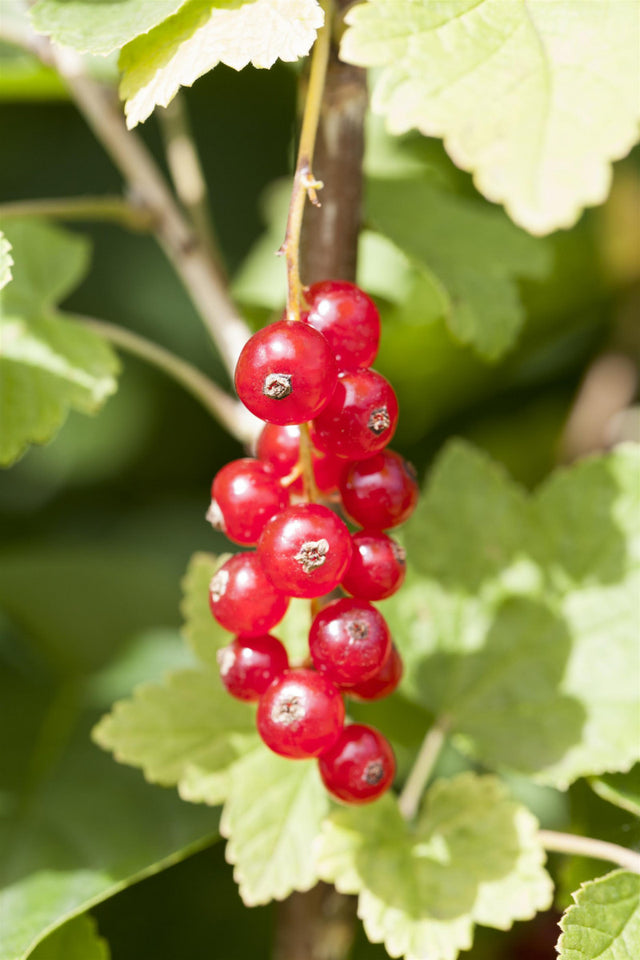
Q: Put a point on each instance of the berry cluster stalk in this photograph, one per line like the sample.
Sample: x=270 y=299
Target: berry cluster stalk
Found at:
x=305 y=185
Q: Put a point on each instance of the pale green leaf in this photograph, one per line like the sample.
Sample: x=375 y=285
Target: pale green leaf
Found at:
x=186 y=731
x=48 y=364
x=503 y=627
x=604 y=922
x=6 y=261
x=475 y=253
x=99 y=26
x=535 y=98
x=272 y=817
x=621 y=789
x=77 y=939
x=206 y=32
x=472 y=857
x=204 y=635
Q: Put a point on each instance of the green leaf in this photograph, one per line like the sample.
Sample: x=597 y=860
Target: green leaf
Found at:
x=74 y=827
x=47 y=363
x=99 y=26
x=6 y=261
x=272 y=817
x=473 y=251
x=604 y=922
x=621 y=789
x=515 y=90
x=204 y=635
x=472 y=857
x=186 y=731
x=502 y=627
x=75 y=940
x=206 y=32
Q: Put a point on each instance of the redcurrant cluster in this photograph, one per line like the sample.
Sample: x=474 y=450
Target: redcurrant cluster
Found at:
x=315 y=371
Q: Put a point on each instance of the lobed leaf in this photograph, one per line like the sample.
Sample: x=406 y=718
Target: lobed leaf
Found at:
x=202 y=34
x=272 y=816
x=604 y=921
x=99 y=27
x=48 y=364
x=76 y=939
x=472 y=857
x=515 y=90
x=473 y=251
x=621 y=789
x=186 y=731
x=503 y=625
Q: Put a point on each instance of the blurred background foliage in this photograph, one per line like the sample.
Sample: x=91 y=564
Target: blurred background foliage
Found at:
x=97 y=527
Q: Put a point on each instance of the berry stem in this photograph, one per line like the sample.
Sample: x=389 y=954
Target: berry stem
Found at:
x=306 y=464
x=421 y=771
x=590 y=847
x=304 y=183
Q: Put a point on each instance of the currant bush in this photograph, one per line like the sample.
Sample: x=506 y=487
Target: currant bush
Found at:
x=323 y=449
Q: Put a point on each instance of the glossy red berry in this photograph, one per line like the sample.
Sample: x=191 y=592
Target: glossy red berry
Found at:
x=381 y=684
x=248 y=665
x=360 y=766
x=380 y=492
x=286 y=373
x=349 y=320
x=279 y=446
x=305 y=550
x=301 y=714
x=377 y=567
x=243 y=600
x=360 y=418
x=246 y=493
x=349 y=641
x=327 y=471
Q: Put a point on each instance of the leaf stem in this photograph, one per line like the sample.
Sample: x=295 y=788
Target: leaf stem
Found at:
x=304 y=183
x=187 y=174
x=419 y=775
x=192 y=262
x=589 y=847
x=230 y=413
x=114 y=209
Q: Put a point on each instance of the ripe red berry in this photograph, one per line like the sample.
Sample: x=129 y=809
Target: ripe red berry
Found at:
x=377 y=567
x=246 y=494
x=327 y=471
x=349 y=320
x=360 y=766
x=286 y=373
x=243 y=600
x=380 y=492
x=249 y=664
x=301 y=714
x=279 y=446
x=382 y=683
x=349 y=641
x=305 y=550
x=360 y=418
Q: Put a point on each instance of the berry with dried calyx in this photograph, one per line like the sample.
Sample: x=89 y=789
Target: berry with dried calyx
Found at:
x=300 y=714
x=243 y=600
x=349 y=641
x=377 y=567
x=360 y=418
x=360 y=766
x=246 y=493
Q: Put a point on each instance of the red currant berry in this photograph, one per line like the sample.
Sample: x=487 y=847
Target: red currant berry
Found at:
x=243 y=600
x=360 y=766
x=360 y=418
x=327 y=471
x=380 y=492
x=249 y=664
x=305 y=550
x=301 y=714
x=279 y=446
x=246 y=494
x=349 y=320
x=382 y=683
x=286 y=373
x=349 y=641
x=377 y=567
